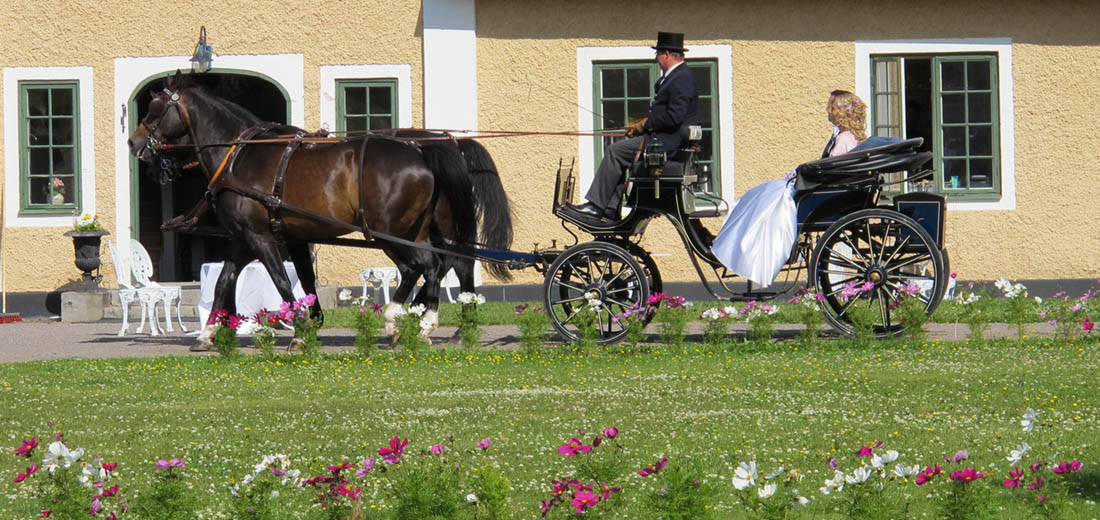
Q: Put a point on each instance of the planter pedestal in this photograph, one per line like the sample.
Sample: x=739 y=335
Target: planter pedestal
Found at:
x=86 y=245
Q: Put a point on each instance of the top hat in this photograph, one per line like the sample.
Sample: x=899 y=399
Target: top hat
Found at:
x=670 y=42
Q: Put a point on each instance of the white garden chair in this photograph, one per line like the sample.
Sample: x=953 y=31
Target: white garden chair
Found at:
x=127 y=294
x=142 y=268
x=379 y=278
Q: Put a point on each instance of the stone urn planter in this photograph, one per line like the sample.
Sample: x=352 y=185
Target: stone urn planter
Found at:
x=86 y=246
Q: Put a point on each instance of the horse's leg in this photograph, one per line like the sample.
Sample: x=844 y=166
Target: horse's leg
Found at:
x=225 y=291
x=434 y=269
x=409 y=276
x=303 y=264
x=464 y=271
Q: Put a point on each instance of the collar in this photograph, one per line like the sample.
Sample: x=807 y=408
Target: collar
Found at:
x=672 y=68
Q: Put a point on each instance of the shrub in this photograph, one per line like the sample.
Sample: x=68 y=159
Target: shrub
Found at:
x=469 y=328
x=533 y=325
x=368 y=325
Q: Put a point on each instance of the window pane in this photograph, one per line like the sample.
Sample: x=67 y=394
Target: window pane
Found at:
x=611 y=81
x=38 y=132
x=381 y=122
x=979 y=107
x=40 y=161
x=981 y=173
x=702 y=117
x=637 y=109
x=62 y=131
x=885 y=113
x=355 y=100
x=62 y=102
x=355 y=124
x=380 y=98
x=40 y=190
x=954 y=108
x=702 y=80
x=638 y=82
x=977 y=75
x=63 y=160
x=886 y=73
x=707 y=146
x=64 y=186
x=954 y=173
x=613 y=114
x=954 y=141
x=952 y=75
x=981 y=140
x=38 y=102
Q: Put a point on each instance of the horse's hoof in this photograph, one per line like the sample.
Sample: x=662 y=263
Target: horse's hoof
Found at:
x=295 y=344
x=201 y=346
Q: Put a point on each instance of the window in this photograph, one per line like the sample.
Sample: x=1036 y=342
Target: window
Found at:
x=952 y=101
x=49 y=147
x=622 y=94
x=363 y=105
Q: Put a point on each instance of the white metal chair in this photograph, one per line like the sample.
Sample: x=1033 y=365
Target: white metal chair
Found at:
x=127 y=294
x=379 y=278
x=142 y=268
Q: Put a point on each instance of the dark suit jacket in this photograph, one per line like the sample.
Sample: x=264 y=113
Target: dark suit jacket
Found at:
x=674 y=106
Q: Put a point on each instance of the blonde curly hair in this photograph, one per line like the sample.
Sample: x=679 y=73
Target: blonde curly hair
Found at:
x=851 y=114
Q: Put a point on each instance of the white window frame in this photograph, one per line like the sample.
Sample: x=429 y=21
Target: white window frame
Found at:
x=331 y=74
x=1002 y=47
x=83 y=77
x=288 y=70
x=587 y=56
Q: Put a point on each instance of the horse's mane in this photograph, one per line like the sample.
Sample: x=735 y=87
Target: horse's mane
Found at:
x=224 y=106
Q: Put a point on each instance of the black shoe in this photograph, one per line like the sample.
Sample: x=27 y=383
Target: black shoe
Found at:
x=588 y=209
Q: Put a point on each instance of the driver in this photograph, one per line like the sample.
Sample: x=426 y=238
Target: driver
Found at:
x=675 y=103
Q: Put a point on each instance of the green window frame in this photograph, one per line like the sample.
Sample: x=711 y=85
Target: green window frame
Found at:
x=49 y=147
x=623 y=90
x=965 y=117
x=366 y=104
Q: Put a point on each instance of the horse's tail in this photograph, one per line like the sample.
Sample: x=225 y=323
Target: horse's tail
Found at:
x=493 y=210
x=446 y=163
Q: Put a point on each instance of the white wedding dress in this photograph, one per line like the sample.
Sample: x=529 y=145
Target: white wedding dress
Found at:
x=759 y=233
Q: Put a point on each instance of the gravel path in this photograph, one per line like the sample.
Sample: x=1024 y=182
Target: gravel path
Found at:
x=41 y=339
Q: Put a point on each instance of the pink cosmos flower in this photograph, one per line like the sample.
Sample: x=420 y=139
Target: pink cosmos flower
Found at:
x=865 y=451
x=111 y=491
x=365 y=467
x=966 y=475
x=522 y=307
x=1067 y=467
x=173 y=463
x=927 y=475
x=1014 y=477
x=959 y=456
x=573 y=447
x=437 y=449
x=611 y=432
x=376 y=307
x=653 y=468
x=96 y=507
x=344 y=490
x=27 y=447
x=1035 y=466
x=23 y=476
x=1087 y=324
x=583 y=500
x=336 y=469
x=608 y=490
x=392 y=455
x=1037 y=484
x=1075 y=465
x=484 y=444
x=45 y=513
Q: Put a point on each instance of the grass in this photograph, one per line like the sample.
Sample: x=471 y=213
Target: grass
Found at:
x=790 y=404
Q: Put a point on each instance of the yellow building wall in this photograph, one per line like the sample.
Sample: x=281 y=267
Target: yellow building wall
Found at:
x=786 y=57
x=94 y=32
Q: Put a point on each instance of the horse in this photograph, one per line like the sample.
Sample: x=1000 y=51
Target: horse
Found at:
x=418 y=193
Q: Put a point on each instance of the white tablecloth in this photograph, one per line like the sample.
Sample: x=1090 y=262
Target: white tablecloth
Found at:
x=255 y=290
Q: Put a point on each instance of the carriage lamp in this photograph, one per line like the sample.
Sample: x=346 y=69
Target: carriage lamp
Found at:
x=204 y=54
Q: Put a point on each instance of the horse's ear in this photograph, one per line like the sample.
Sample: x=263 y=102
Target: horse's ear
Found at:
x=174 y=82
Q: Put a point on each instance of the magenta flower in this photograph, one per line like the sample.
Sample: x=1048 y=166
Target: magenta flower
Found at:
x=611 y=432
x=27 y=447
x=583 y=500
x=484 y=444
x=376 y=307
x=865 y=451
x=23 y=476
x=437 y=449
x=653 y=468
x=959 y=456
x=1014 y=477
x=608 y=490
x=927 y=475
x=96 y=507
x=172 y=463
x=1087 y=324
x=365 y=467
x=45 y=513
x=1037 y=484
x=344 y=490
x=1067 y=467
x=966 y=475
x=393 y=454
x=336 y=469
x=111 y=491
x=573 y=447
x=522 y=307
x=1035 y=466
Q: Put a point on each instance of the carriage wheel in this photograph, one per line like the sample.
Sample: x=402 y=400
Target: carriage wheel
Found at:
x=594 y=270
x=883 y=247
x=652 y=275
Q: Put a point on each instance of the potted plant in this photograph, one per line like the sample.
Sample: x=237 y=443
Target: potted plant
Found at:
x=87 y=233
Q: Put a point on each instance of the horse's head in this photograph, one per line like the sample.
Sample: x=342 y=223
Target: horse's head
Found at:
x=166 y=122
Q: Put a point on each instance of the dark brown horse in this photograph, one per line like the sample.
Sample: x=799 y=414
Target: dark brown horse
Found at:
x=423 y=195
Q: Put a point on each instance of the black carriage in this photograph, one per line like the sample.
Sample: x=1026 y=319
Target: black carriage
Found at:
x=846 y=233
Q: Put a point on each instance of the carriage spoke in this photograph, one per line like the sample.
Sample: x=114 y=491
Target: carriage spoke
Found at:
x=617 y=275
x=571 y=287
x=910 y=261
x=898 y=249
x=576 y=271
x=571 y=300
x=842 y=259
x=884 y=310
x=870 y=240
x=882 y=250
x=619 y=303
x=848 y=242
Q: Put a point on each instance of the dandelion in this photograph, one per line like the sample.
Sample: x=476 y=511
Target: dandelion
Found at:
x=745 y=475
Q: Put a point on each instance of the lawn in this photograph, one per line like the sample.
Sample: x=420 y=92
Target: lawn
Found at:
x=787 y=404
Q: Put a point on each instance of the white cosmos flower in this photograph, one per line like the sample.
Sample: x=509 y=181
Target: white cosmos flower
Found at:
x=774 y=474
x=880 y=461
x=291 y=476
x=800 y=501
x=59 y=455
x=93 y=472
x=903 y=471
x=858 y=476
x=345 y=295
x=274 y=494
x=767 y=491
x=417 y=309
x=745 y=475
x=835 y=484
x=1015 y=455
x=426 y=325
x=466 y=298
x=1029 y=420
x=471 y=498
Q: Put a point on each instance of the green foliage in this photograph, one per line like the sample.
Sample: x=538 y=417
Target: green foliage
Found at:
x=492 y=489
x=862 y=317
x=469 y=331
x=226 y=342
x=409 y=330
x=672 y=325
x=424 y=490
x=681 y=492
x=533 y=326
x=170 y=499
x=368 y=325
x=587 y=322
x=263 y=338
x=974 y=310
x=911 y=313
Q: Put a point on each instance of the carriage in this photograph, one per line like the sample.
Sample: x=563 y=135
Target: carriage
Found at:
x=847 y=233
x=277 y=186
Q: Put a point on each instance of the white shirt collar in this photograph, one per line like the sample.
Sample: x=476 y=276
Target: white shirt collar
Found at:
x=670 y=69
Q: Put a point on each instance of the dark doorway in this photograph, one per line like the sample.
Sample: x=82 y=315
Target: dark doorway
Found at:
x=178 y=256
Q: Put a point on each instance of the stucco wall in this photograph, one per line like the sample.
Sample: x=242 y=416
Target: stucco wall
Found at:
x=94 y=33
x=786 y=57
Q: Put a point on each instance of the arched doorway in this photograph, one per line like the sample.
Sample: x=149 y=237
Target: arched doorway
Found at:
x=179 y=255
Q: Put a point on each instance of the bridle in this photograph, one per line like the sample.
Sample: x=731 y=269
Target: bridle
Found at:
x=169 y=99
